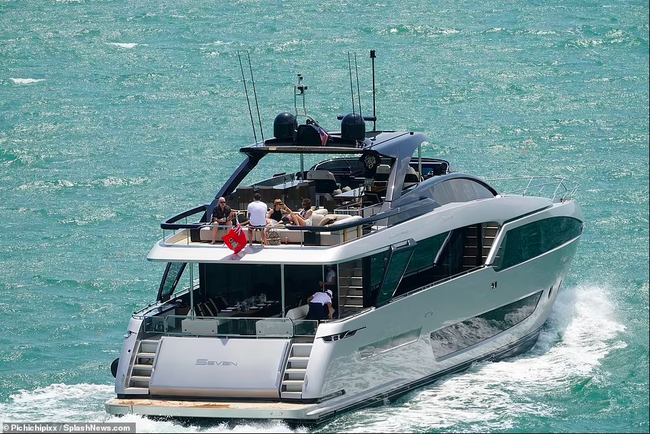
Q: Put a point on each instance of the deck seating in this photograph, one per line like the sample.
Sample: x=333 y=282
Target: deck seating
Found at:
x=299 y=312
x=320 y=217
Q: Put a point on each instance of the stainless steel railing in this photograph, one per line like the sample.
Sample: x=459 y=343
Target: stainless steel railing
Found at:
x=229 y=326
x=555 y=188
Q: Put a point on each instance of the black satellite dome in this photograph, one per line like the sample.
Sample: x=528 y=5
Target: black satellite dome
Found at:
x=284 y=126
x=353 y=127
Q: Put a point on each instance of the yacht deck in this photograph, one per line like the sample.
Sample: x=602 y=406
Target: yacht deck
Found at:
x=209 y=408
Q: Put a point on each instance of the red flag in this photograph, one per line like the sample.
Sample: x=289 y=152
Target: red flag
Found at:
x=235 y=239
x=323 y=136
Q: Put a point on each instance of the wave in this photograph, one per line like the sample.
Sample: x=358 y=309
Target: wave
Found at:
x=85 y=403
x=65 y=183
x=125 y=44
x=26 y=80
x=580 y=332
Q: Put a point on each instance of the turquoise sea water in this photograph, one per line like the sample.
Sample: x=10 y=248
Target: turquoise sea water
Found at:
x=117 y=115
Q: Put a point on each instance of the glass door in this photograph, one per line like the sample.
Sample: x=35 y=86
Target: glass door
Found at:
x=398 y=261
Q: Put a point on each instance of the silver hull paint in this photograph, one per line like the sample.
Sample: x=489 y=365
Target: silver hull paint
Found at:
x=338 y=370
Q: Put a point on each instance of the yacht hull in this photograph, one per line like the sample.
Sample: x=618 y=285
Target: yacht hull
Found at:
x=432 y=271
x=364 y=359
x=293 y=413
x=361 y=370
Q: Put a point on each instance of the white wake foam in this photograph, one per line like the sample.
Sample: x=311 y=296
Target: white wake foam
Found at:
x=581 y=330
x=124 y=44
x=26 y=80
x=85 y=403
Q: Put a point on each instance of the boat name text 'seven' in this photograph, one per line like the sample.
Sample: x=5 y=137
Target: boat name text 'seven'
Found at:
x=203 y=362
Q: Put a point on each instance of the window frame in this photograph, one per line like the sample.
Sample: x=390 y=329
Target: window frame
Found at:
x=166 y=296
x=502 y=240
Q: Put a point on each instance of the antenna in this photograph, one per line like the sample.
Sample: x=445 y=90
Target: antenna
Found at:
x=351 y=89
x=300 y=89
x=374 y=114
x=255 y=93
x=247 y=100
x=356 y=67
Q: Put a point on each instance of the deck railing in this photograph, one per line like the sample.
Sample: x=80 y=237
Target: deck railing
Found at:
x=226 y=326
x=187 y=232
x=556 y=188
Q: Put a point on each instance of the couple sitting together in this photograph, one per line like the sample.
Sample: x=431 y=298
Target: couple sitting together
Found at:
x=260 y=217
x=280 y=213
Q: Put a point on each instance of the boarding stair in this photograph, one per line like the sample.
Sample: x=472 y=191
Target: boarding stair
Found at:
x=295 y=370
x=142 y=368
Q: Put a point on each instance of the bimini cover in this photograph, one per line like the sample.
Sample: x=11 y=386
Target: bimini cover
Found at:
x=215 y=367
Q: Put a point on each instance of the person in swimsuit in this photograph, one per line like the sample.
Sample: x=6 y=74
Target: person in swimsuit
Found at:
x=276 y=214
x=303 y=218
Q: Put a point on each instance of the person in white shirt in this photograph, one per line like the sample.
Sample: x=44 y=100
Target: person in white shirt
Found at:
x=257 y=218
x=330 y=279
x=320 y=305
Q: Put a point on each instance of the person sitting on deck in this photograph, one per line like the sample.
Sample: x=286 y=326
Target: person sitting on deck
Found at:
x=303 y=218
x=277 y=214
x=257 y=218
x=222 y=215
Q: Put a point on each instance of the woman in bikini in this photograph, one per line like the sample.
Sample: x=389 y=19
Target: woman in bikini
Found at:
x=303 y=218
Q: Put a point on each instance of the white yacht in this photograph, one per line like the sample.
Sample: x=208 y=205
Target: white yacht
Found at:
x=435 y=270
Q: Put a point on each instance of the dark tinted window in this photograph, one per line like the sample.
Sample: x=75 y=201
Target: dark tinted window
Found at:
x=170 y=279
x=398 y=263
x=337 y=165
x=445 y=191
x=425 y=253
x=533 y=239
x=448 y=254
x=450 y=261
x=459 y=190
x=377 y=264
x=462 y=335
x=236 y=283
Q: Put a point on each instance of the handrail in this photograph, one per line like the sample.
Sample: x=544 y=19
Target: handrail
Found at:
x=563 y=188
x=233 y=326
x=342 y=226
x=170 y=222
